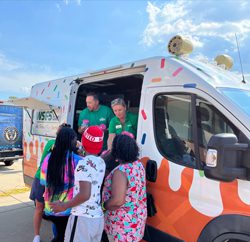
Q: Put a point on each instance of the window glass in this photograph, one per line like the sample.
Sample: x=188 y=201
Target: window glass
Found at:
x=239 y=97
x=173 y=127
x=44 y=123
x=210 y=121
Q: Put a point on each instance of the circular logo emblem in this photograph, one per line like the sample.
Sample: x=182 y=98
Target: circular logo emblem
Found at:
x=11 y=134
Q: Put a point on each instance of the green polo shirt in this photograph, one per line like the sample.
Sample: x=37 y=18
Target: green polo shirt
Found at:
x=130 y=125
x=101 y=116
x=47 y=149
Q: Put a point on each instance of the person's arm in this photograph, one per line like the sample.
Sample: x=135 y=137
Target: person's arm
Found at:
x=80 y=129
x=81 y=197
x=110 y=140
x=80 y=119
x=118 y=190
x=112 y=133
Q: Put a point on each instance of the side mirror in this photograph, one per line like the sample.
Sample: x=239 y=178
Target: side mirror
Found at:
x=224 y=160
x=151 y=170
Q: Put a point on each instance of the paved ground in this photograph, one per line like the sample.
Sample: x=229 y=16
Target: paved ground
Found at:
x=16 y=210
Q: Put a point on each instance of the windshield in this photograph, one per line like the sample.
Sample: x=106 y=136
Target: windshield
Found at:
x=239 y=97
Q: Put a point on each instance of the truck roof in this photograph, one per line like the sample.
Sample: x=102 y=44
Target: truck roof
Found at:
x=215 y=75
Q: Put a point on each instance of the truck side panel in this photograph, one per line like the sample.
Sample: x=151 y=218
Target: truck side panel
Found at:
x=11 y=132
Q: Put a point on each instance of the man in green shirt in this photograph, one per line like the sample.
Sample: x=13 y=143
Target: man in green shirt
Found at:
x=95 y=114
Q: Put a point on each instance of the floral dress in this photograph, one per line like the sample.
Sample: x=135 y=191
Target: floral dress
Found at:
x=128 y=222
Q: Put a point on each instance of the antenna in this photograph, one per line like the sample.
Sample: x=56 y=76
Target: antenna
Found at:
x=243 y=78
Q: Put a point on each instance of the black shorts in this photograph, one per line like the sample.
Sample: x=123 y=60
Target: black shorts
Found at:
x=37 y=191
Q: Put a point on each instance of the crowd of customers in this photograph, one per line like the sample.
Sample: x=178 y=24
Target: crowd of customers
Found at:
x=77 y=193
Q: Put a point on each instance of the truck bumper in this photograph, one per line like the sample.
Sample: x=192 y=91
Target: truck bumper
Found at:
x=11 y=154
x=11 y=158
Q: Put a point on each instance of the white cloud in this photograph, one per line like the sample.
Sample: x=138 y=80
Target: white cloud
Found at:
x=18 y=78
x=247 y=77
x=67 y=2
x=25 y=90
x=8 y=65
x=243 y=3
x=58 y=7
x=177 y=17
x=22 y=81
x=78 y=2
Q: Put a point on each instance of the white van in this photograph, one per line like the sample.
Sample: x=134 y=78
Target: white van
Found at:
x=193 y=131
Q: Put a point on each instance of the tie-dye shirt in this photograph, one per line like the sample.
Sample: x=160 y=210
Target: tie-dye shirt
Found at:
x=67 y=193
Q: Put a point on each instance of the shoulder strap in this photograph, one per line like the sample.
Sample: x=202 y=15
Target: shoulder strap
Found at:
x=73 y=230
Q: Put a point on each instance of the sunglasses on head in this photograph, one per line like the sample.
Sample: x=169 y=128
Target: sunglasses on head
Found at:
x=118 y=101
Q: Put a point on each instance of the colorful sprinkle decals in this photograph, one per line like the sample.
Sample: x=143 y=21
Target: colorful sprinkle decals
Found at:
x=42 y=91
x=189 y=85
x=69 y=108
x=177 y=71
x=201 y=173
x=132 y=65
x=55 y=88
x=157 y=79
x=143 y=139
x=162 y=63
x=143 y=114
x=48 y=84
x=58 y=94
x=146 y=69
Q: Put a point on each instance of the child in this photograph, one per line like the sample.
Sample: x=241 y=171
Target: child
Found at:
x=86 y=220
x=57 y=175
x=37 y=189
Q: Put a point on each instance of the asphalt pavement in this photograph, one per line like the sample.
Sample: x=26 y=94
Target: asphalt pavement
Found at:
x=16 y=210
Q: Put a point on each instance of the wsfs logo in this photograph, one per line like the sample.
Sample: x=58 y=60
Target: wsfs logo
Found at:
x=11 y=134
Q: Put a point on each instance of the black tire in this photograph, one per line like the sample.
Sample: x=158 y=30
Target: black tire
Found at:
x=9 y=162
x=233 y=238
x=227 y=228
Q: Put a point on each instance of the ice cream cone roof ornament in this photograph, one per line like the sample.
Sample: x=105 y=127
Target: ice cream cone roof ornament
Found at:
x=179 y=45
x=224 y=60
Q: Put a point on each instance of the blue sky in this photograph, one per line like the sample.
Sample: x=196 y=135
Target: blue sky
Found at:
x=49 y=39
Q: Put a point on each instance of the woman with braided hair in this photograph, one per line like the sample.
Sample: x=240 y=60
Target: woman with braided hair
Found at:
x=124 y=193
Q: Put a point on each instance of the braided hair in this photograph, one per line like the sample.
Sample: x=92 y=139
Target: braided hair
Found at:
x=125 y=149
x=60 y=159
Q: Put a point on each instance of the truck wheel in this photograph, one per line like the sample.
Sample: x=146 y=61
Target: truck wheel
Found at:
x=9 y=162
x=232 y=238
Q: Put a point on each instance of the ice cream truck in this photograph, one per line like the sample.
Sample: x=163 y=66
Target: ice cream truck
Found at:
x=193 y=134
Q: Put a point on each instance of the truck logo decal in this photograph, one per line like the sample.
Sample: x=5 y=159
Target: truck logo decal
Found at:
x=11 y=134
